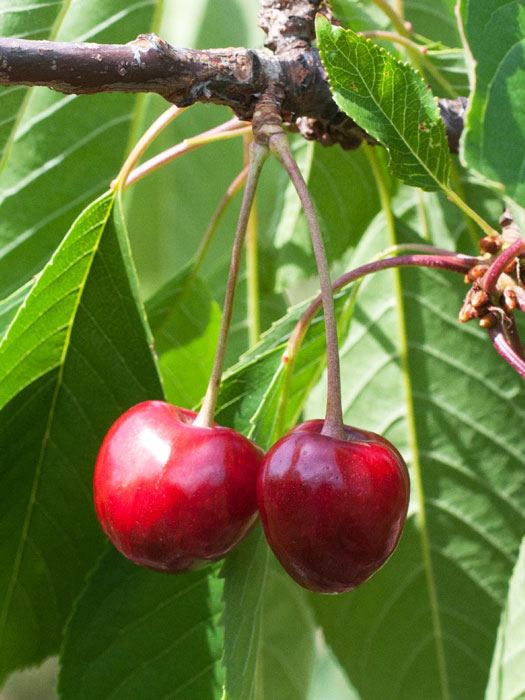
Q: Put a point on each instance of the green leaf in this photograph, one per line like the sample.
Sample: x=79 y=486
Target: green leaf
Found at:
x=136 y=634
x=74 y=358
x=391 y=101
x=425 y=625
x=65 y=148
x=494 y=140
x=185 y=323
x=507 y=673
x=27 y=19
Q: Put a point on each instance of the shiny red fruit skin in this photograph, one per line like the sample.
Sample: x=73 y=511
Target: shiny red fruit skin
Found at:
x=170 y=495
x=332 y=510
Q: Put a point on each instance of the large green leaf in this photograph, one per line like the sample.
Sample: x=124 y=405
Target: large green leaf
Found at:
x=139 y=635
x=74 y=358
x=494 y=140
x=507 y=674
x=390 y=100
x=65 y=148
x=425 y=625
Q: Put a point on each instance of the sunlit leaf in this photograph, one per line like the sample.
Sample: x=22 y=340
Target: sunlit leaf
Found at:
x=74 y=358
x=391 y=101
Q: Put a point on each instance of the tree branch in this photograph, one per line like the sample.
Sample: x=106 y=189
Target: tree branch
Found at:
x=235 y=77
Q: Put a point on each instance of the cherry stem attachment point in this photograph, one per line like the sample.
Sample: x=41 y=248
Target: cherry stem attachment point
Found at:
x=258 y=154
x=499 y=264
x=504 y=347
x=333 y=424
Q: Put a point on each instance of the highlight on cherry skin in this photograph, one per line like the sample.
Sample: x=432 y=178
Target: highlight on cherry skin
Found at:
x=170 y=495
x=333 y=510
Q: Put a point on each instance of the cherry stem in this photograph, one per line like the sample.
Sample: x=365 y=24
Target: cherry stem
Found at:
x=233 y=127
x=216 y=217
x=499 y=264
x=505 y=348
x=397 y=20
x=144 y=142
x=198 y=259
x=333 y=423
x=206 y=414
x=252 y=265
x=452 y=262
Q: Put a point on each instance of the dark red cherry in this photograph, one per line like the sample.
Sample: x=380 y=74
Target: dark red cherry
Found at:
x=171 y=495
x=333 y=510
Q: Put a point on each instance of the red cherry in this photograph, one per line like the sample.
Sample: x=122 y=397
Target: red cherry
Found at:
x=333 y=510
x=171 y=495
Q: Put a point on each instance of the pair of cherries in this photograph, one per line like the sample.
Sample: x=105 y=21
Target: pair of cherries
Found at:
x=173 y=496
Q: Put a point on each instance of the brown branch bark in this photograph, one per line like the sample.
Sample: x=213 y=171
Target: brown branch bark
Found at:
x=235 y=77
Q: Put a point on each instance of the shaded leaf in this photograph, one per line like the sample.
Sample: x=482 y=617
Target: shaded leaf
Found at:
x=136 y=634
x=425 y=625
x=390 y=100
x=74 y=358
x=185 y=323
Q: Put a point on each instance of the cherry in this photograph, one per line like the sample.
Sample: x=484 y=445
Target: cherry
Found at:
x=332 y=509
x=171 y=495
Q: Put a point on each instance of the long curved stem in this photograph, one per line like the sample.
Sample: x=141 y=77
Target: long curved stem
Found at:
x=333 y=424
x=216 y=217
x=227 y=130
x=500 y=263
x=397 y=21
x=252 y=266
x=258 y=155
x=144 y=142
x=452 y=263
x=206 y=241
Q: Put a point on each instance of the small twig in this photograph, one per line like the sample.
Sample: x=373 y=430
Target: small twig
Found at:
x=504 y=348
x=143 y=143
x=450 y=262
x=206 y=414
x=229 y=129
x=500 y=263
